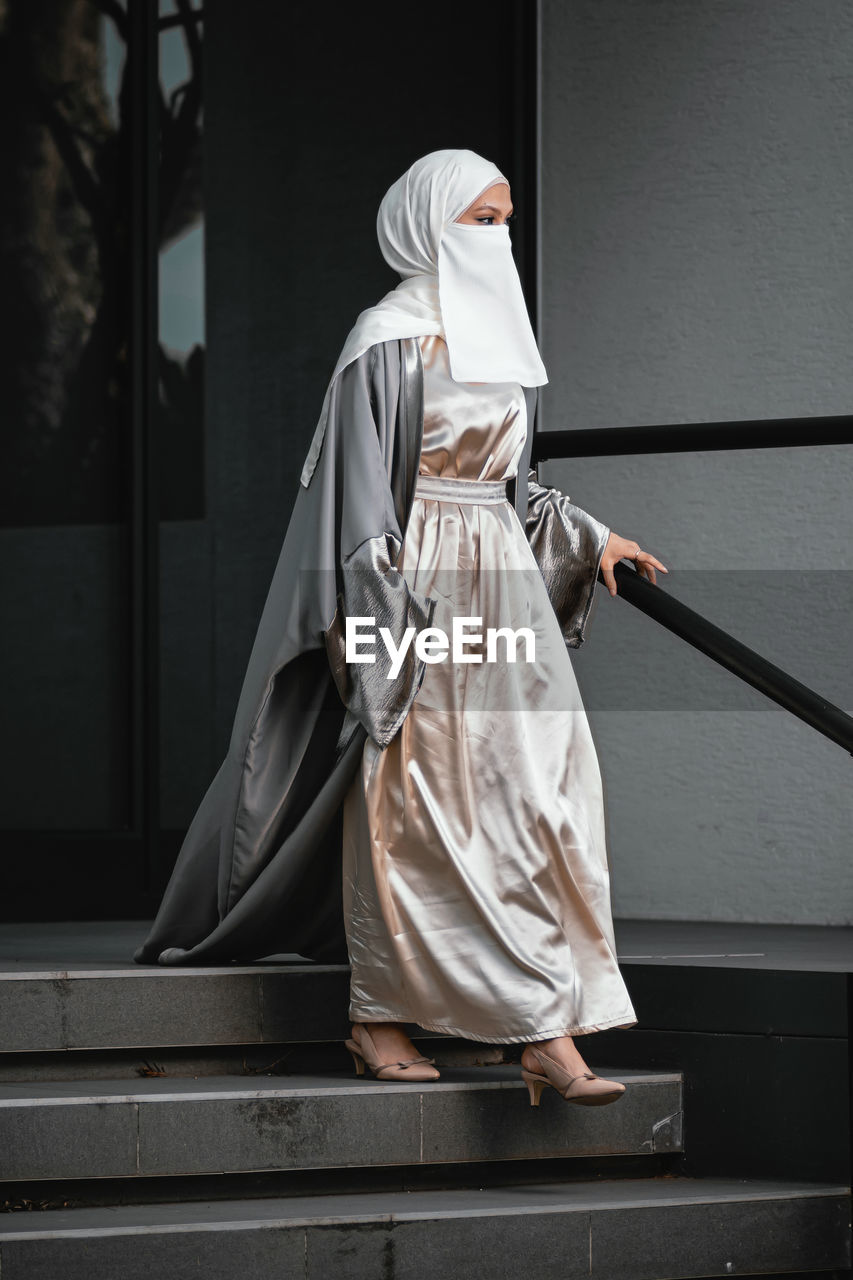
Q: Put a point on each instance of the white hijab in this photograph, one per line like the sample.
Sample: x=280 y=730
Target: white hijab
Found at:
x=458 y=280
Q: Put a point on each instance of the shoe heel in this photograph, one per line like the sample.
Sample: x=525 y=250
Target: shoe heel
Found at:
x=534 y=1087
x=359 y=1062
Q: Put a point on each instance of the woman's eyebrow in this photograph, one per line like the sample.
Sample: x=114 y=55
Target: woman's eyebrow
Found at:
x=493 y=208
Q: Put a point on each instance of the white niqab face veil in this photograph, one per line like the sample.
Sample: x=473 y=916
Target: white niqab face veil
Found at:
x=458 y=279
x=486 y=325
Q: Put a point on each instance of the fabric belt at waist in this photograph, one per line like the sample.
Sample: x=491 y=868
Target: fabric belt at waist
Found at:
x=455 y=489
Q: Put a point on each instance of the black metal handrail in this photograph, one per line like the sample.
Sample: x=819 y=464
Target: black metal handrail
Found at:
x=764 y=433
x=736 y=657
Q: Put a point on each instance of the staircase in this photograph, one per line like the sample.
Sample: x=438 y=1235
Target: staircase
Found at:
x=208 y=1123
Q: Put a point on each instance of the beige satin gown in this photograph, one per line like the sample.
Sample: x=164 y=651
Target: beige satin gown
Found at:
x=475 y=875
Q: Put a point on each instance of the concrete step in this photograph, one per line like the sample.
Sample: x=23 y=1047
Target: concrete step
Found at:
x=251 y=1060
x=75 y=986
x=137 y=1006
x=625 y=1229
x=177 y=1126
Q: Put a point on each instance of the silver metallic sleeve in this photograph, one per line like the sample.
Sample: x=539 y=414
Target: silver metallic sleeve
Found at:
x=373 y=588
x=568 y=544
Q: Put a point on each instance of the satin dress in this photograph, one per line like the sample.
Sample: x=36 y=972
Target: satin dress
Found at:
x=476 y=886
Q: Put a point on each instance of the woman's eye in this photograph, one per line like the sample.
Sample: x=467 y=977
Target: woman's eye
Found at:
x=489 y=219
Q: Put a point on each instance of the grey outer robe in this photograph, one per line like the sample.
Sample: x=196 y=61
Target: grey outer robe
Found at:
x=259 y=871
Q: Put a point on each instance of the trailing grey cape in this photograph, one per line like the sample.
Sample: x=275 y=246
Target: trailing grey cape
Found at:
x=259 y=871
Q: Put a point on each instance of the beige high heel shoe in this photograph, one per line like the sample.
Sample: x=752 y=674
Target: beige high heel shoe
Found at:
x=366 y=1052
x=556 y=1075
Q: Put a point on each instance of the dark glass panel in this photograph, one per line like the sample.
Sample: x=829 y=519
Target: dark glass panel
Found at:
x=64 y=546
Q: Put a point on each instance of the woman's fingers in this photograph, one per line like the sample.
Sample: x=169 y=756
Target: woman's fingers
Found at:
x=644 y=566
x=609 y=579
x=648 y=558
x=644 y=563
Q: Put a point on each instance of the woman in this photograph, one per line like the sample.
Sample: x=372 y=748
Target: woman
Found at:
x=461 y=801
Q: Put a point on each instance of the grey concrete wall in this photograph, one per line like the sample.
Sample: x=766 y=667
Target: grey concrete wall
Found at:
x=697 y=194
